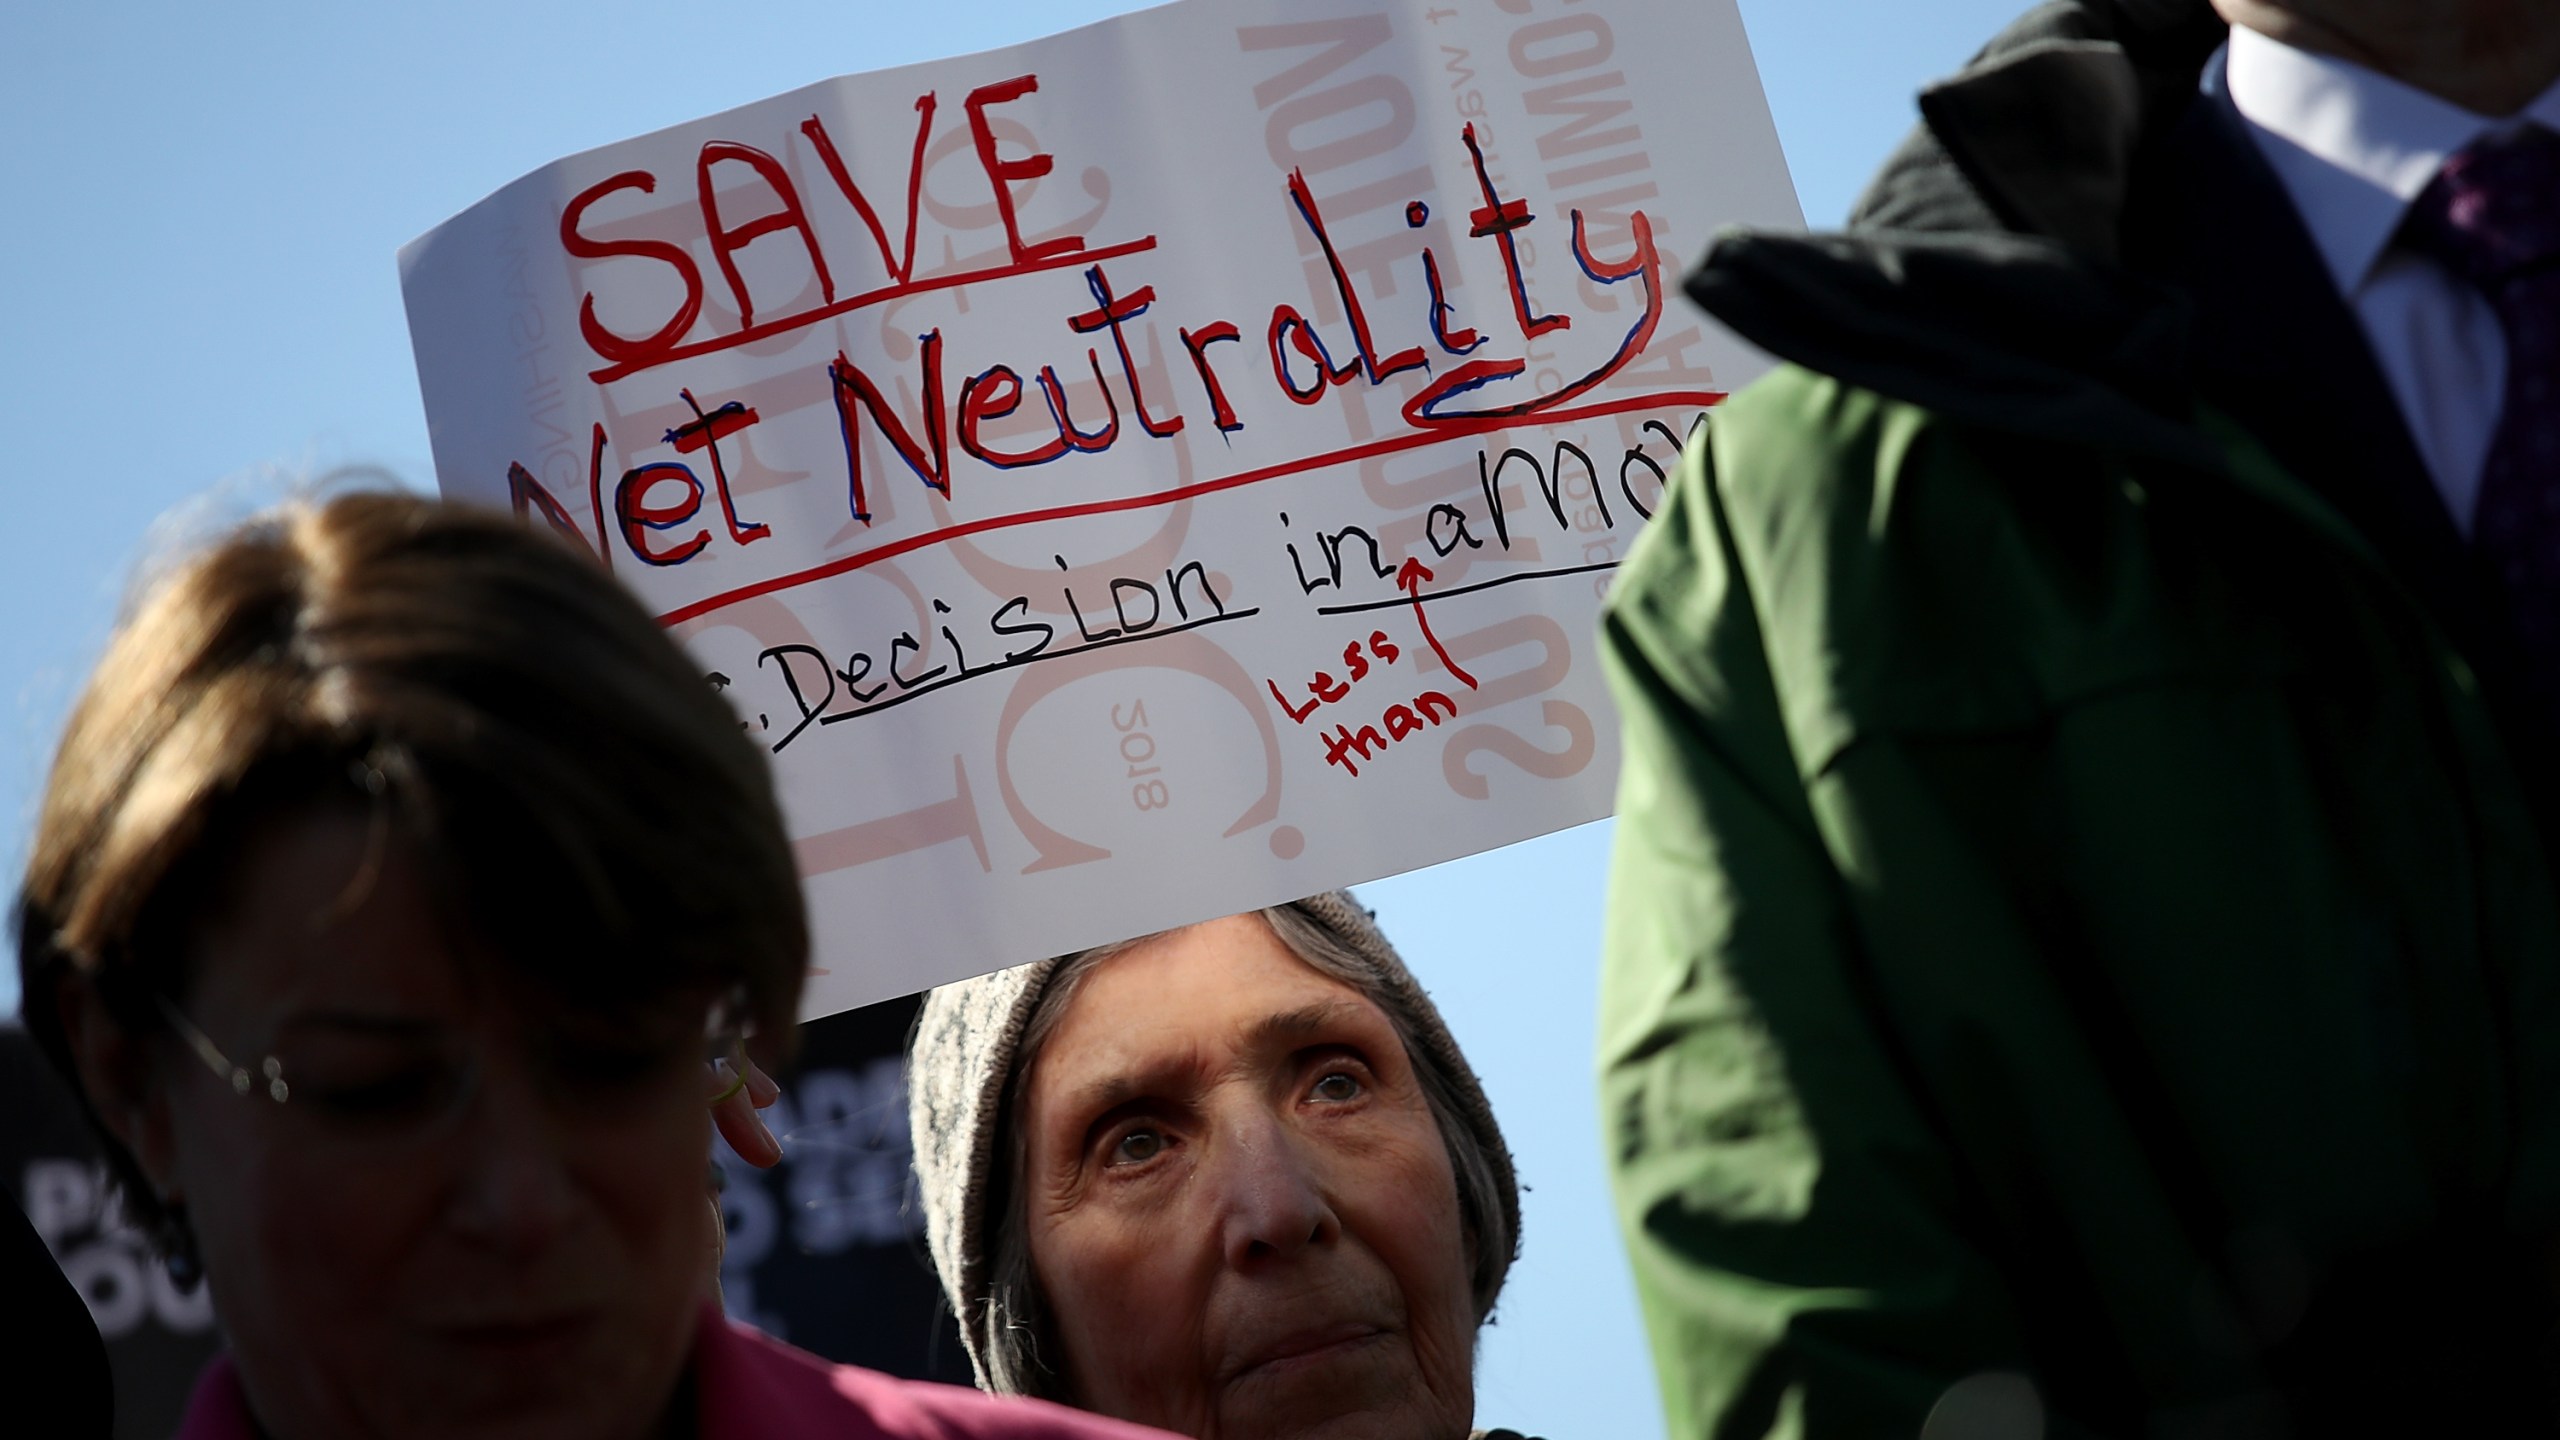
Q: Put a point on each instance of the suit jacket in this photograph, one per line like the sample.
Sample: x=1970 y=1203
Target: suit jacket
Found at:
x=2277 y=347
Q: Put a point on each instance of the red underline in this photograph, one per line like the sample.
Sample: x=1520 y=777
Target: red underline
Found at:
x=1412 y=441
x=867 y=298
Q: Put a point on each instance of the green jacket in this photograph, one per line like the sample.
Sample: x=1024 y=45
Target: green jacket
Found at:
x=2077 y=941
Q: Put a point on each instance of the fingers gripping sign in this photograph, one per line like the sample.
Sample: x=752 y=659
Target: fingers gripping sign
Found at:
x=738 y=1088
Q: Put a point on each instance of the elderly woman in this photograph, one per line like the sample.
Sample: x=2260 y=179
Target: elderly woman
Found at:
x=1235 y=1180
x=395 y=880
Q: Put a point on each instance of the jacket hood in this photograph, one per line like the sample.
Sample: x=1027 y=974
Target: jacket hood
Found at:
x=1983 y=271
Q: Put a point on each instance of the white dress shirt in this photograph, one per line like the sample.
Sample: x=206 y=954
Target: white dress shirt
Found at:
x=2353 y=148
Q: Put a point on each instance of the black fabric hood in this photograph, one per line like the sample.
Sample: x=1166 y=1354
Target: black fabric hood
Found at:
x=1985 y=271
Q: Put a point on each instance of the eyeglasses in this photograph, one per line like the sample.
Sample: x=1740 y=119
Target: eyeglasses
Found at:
x=201 y=1043
x=387 y=1083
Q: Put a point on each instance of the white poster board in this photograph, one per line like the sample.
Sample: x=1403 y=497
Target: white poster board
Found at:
x=1139 y=475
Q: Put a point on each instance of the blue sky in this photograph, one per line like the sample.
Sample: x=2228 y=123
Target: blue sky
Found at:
x=197 y=279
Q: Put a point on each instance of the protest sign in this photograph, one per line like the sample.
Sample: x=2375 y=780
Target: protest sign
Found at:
x=1127 y=478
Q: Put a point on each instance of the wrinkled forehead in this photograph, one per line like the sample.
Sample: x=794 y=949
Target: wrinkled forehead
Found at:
x=1193 y=1004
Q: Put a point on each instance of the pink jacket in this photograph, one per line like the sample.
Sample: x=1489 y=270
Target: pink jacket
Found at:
x=756 y=1388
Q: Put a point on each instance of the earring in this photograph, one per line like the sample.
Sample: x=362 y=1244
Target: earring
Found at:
x=178 y=1249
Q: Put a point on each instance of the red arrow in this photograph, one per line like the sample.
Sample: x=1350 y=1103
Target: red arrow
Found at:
x=1409 y=578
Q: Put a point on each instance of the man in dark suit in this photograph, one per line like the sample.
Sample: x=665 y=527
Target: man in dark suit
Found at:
x=2084 y=955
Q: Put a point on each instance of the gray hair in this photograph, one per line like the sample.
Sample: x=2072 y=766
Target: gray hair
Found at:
x=997 y=1025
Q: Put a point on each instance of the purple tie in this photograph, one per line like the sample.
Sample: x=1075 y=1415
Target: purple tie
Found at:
x=2493 y=216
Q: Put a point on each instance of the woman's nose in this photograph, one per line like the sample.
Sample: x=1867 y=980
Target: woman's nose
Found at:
x=514 y=1192
x=1273 y=1202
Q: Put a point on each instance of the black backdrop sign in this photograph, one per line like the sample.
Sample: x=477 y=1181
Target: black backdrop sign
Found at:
x=157 y=1339
x=826 y=1250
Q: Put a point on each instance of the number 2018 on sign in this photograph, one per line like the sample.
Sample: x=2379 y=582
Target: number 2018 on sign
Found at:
x=1137 y=747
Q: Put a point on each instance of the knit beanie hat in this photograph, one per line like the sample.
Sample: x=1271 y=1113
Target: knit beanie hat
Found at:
x=961 y=1068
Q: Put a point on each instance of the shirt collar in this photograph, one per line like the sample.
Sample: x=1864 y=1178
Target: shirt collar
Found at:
x=2351 y=147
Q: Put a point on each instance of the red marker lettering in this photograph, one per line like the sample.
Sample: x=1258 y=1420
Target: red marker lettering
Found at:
x=901 y=266
x=728 y=240
x=1002 y=173
x=606 y=343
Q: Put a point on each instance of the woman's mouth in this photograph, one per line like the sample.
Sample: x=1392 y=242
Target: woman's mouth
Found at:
x=1309 y=1349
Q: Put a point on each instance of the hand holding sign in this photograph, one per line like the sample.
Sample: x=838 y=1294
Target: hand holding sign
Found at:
x=742 y=1089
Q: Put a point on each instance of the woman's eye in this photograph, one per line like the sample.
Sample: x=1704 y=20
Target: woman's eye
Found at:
x=392 y=1098
x=1336 y=1087
x=1137 y=1147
